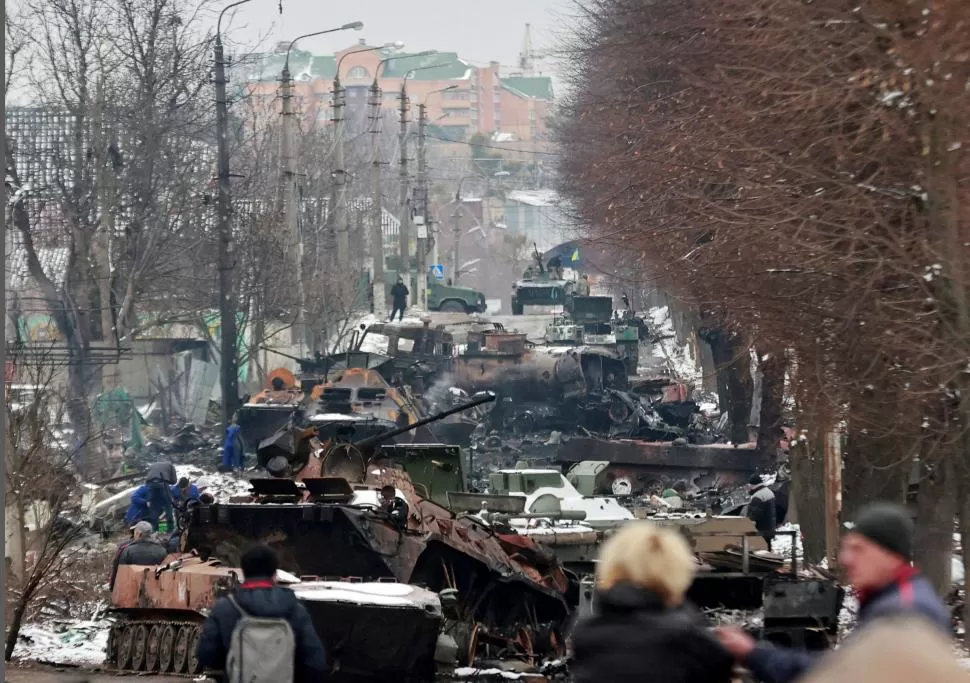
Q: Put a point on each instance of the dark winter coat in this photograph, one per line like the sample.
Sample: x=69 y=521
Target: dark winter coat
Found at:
x=633 y=637
x=264 y=601
x=162 y=471
x=143 y=552
x=761 y=511
x=399 y=293
x=910 y=595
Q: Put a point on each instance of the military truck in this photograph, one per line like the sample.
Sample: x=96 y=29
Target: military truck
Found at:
x=442 y=296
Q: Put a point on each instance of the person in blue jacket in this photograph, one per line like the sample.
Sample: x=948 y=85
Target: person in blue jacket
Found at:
x=139 y=509
x=183 y=492
x=876 y=555
x=232 y=448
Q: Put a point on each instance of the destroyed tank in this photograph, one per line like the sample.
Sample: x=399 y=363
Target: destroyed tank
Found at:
x=501 y=593
x=269 y=410
x=158 y=614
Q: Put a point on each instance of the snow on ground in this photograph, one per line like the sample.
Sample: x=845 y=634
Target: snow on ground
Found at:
x=222 y=485
x=782 y=543
x=64 y=642
x=679 y=358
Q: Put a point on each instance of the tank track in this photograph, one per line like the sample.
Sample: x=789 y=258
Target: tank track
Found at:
x=142 y=645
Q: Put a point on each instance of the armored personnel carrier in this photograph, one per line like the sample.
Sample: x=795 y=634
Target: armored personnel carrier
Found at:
x=321 y=506
x=158 y=614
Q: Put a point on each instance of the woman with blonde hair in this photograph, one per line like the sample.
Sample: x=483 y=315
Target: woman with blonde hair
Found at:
x=641 y=628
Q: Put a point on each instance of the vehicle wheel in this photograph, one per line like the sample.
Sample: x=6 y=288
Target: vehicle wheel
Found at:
x=138 y=648
x=166 y=647
x=180 y=656
x=452 y=306
x=194 y=667
x=151 y=648
x=125 y=646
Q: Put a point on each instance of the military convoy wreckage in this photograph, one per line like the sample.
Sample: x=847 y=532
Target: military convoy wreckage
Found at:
x=446 y=587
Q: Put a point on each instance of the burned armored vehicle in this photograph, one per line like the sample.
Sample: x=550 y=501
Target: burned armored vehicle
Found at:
x=158 y=614
x=321 y=507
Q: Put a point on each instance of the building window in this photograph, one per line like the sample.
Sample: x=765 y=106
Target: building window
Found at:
x=358 y=72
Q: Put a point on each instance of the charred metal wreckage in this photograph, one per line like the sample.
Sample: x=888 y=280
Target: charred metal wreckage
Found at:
x=493 y=558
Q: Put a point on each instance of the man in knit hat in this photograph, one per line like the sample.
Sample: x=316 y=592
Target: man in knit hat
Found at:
x=876 y=555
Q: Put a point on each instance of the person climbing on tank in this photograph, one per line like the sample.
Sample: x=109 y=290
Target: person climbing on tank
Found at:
x=259 y=598
x=183 y=492
x=160 y=476
x=394 y=506
x=233 y=454
x=582 y=287
x=139 y=509
x=142 y=549
x=399 y=297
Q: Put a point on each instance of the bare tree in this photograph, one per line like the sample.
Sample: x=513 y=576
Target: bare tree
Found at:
x=40 y=487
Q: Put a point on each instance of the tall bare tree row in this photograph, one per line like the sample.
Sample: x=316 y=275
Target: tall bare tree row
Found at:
x=798 y=171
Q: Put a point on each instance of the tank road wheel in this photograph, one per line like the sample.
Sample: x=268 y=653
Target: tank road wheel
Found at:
x=523 y=642
x=138 y=648
x=125 y=646
x=151 y=648
x=472 y=649
x=166 y=647
x=194 y=635
x=180 y=656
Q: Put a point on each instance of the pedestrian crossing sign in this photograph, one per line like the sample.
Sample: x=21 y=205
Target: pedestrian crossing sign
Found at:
x=438 y=271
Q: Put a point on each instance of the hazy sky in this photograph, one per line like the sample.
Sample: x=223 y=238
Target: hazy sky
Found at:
x=478 y=30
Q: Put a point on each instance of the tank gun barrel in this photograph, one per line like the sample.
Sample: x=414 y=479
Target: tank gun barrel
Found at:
x=378 y=438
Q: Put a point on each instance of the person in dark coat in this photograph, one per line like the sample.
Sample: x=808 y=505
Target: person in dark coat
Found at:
x=160 y=477
x=641 y=629
x=761 y=508
x=395 y=507
x=261 y=597
x=399 y=297
x=142 y=549
x=876 y=555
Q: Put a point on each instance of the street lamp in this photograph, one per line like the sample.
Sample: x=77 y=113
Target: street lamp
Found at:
x=228 y=372
x=299 y=331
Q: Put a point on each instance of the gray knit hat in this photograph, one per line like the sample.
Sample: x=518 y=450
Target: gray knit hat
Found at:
x=888 y=525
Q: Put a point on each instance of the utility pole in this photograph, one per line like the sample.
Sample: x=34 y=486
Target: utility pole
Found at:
x=456 y=234
x=421 y=209
x=404 y=265
x=340 y=177
x=298 y=333
x=377 y=230
x=228 y=367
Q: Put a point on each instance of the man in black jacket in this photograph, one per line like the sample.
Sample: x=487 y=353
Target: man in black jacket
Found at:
x=761 y=508
x=160 y=477
x=261 y=597
x=142 y=549
x=399 y=296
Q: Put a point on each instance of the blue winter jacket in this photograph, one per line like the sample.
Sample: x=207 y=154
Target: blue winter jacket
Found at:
x=908 y=596
x=177 y=494
x=139 y=509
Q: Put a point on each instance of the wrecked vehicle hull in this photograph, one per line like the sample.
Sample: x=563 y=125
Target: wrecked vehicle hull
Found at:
x=158 y=614
x=502 y=588
x=648 y=465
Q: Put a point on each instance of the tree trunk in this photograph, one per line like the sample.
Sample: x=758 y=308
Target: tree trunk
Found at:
x=876 y=468
x=773 y=367
x=16 y=619
x=733 y=362
x=936 y=509
x=808 y=493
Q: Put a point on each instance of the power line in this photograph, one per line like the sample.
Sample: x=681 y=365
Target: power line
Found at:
x=500 y=149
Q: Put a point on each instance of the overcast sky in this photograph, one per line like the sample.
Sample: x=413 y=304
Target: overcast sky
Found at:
x=479 y=31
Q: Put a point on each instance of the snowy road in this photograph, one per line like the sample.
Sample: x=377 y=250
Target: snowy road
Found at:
x=41 y=674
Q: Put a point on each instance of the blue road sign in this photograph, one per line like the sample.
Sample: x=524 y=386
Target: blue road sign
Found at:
x=438 y=271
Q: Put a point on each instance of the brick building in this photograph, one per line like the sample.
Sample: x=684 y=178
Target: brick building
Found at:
x=482 y=101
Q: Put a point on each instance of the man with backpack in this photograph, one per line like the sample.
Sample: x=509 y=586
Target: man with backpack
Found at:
x=261 y=633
